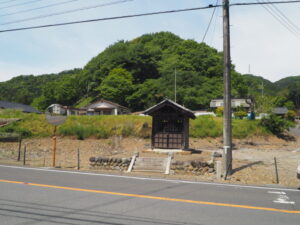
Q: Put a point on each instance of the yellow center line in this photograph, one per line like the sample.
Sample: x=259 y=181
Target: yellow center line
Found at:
x=154 y=197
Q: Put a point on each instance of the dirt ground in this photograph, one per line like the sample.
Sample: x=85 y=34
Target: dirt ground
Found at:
x=253 y=158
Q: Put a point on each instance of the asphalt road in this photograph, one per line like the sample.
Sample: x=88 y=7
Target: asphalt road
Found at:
x=39 y=196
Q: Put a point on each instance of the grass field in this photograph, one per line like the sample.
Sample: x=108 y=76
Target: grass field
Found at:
x=34 y=125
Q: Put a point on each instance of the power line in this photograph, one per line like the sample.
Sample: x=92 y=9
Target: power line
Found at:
x=20 y=4
x=42 y=7
x=211 y=18
x=215 y=25
x=264 y=3
x=279 y=19
x=293 y=25
x=279 y=16
x=140 y=15
x=65 y=12
x=107 y=18
x=7 y=1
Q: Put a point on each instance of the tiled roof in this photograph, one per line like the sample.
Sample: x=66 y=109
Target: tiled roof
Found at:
x=106 y=101
x=169 y=102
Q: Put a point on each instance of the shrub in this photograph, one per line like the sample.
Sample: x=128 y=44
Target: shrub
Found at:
x=291 y=114
x=102 y=133
x=80 y=131
x=220 y=111
x=14 y=128
x=206 y=126
x=128 y=129
x=240 y=114
x=275 y=124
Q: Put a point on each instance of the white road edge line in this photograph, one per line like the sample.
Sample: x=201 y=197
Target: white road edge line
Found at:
x=277 y=192
x=152 y=179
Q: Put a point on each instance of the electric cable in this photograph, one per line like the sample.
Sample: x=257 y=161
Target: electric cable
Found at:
x=20 y=4
x=140 y=15
x=292 y=24
x=66 y=12
x=7 y=1
x=107 y=18
x=279 y=20
x=215 y=26
x=211 y=18
x=42 y=7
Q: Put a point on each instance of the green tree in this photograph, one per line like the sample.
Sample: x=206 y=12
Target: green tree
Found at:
x=145 y=95
x=116 y=86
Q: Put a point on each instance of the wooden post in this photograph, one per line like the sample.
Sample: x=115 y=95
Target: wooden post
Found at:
x=54 y=146
x=276 y=171
x=19 y=150
x=78 y=159
x=186 y=133
x=44 y=163
x=153 y=130
x=24 y=158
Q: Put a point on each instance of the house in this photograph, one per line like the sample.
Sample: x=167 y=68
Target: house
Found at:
x=18 y=106
x=280 y=111
x=104 y=107
x=75 y=111
x=101 y=107
x=170 y=125
x=235 y=102
x=57 y=109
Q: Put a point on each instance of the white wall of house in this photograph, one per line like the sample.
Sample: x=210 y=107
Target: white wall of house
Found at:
x=234 y=103
x=57 y=109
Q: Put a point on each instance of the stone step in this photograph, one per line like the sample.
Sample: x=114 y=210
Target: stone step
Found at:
x=152 y=164
x=149 y=168
x=146 y=170
x=144 y=159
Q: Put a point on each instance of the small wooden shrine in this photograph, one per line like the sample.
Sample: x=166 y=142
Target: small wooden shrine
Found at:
x=170 y=125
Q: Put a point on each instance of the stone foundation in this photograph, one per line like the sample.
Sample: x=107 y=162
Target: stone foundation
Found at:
x=194 y=167
x=120 y=164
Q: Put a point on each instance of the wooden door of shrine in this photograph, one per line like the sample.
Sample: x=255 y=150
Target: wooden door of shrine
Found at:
x=168 y=133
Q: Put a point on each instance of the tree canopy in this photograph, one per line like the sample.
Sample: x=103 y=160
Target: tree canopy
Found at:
x=139 y=73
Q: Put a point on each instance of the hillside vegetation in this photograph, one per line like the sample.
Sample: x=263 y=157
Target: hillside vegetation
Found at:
x=81 y=127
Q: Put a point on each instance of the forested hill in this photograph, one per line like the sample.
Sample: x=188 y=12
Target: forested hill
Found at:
x=136 y=74
x=257 y=85
x=286 y=82
x=25 y=88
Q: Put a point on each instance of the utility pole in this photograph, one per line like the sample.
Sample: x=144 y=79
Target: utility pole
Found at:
x=175 y=85
x=227 y=130
x=262 y=89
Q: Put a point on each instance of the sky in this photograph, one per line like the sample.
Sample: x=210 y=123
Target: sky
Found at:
x=259 y=43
